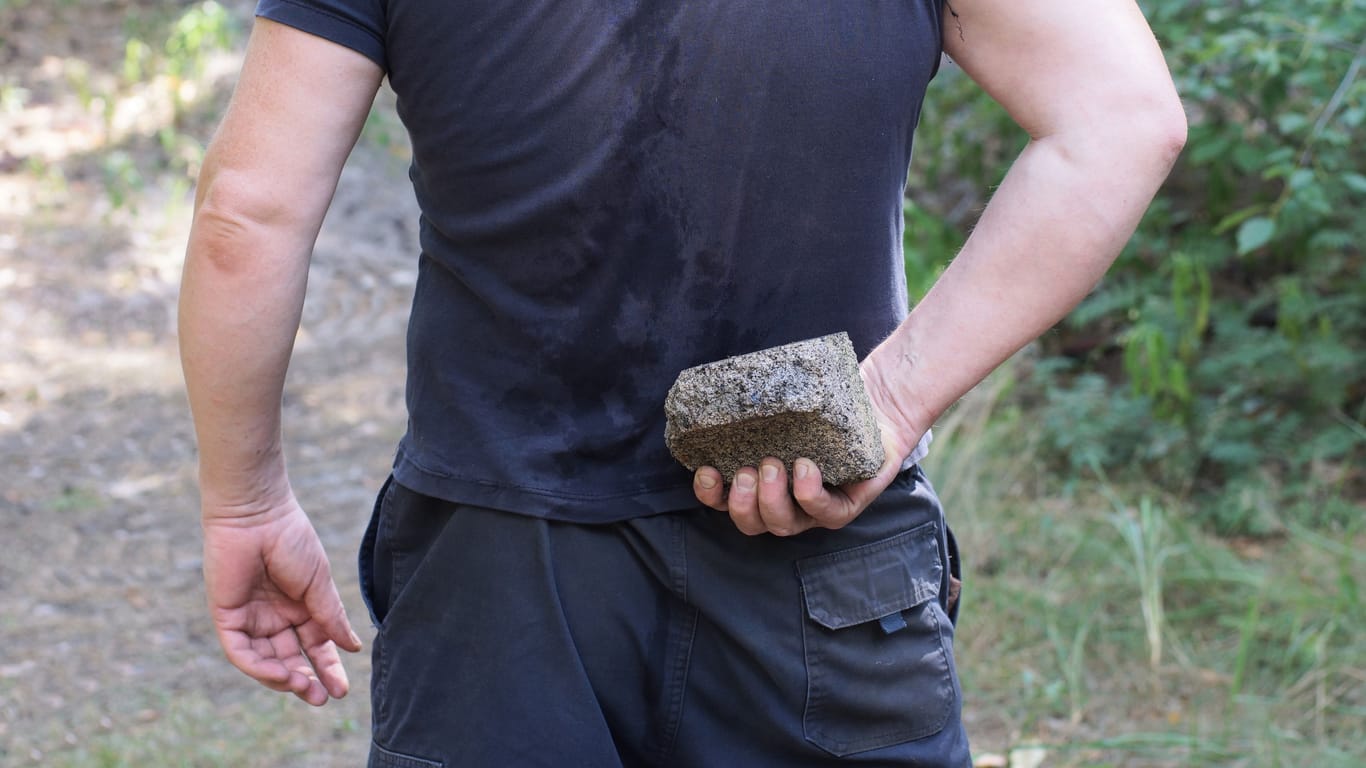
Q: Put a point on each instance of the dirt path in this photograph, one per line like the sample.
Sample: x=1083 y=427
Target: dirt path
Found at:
x=106 y=653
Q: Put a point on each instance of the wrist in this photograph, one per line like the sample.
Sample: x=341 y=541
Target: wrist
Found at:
x=252 y=491
x=899 y=410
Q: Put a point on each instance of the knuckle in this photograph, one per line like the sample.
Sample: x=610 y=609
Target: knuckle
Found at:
x=838 y=518
x=711 y=500
x=826 y=515
x=747 y=524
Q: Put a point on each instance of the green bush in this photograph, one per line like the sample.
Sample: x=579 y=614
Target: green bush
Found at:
x=1225 y=353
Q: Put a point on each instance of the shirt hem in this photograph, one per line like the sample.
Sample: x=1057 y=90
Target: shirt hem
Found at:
x=543 y=503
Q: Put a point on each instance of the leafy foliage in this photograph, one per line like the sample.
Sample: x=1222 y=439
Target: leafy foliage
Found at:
x=1225 y=354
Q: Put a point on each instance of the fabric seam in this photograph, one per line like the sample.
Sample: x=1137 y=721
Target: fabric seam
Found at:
x=335 y=17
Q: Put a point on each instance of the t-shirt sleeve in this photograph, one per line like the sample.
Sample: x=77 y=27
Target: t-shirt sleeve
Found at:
x=356 y=24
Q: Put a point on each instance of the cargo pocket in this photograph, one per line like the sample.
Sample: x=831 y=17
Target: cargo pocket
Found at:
x=384 y=758
x=876 y=638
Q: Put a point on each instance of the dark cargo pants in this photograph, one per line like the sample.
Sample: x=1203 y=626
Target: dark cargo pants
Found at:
x=674 y=640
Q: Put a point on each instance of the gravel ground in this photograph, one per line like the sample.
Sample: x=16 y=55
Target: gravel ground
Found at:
x=107 y=656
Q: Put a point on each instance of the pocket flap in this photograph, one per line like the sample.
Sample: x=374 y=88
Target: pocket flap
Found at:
x=865 y=583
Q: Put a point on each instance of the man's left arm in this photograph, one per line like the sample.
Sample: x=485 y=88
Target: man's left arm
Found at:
x=1087 y=81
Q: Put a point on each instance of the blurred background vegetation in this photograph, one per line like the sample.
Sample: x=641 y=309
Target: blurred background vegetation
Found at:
x=1224 y=357
x=1163 y=499
x=1160 y=503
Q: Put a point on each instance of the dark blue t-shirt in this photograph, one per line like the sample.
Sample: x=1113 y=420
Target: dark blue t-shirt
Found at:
x=615 y=190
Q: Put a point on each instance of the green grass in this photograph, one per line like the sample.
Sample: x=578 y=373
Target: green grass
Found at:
x=197 y=729
x=1102 y=625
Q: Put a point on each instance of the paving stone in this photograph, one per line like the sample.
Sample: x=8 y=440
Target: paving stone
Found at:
x=804 y=399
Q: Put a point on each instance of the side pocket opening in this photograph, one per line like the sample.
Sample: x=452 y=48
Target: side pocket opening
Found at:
x=372 y=561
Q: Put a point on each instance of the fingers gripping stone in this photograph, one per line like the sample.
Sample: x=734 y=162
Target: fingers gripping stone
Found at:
x=804 y=399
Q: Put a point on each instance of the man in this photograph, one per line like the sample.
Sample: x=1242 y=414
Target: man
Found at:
x=613 y=191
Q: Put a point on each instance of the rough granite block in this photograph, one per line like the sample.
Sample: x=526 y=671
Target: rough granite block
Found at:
x=804 y=399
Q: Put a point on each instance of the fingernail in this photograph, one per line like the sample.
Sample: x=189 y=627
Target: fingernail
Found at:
x=745 y=481
x=799 y=469
x=706 y=482
x=355 y=639
x=769 y=472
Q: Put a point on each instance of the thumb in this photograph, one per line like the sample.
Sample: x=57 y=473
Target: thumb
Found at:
x=325 y=606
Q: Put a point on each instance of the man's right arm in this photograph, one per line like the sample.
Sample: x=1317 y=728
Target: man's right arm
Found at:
x=268 y=178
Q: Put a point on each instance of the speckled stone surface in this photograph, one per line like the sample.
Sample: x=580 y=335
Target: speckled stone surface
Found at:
x=804 y=399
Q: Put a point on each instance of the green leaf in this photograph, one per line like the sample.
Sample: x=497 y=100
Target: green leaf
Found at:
x=1249 y=158
x=1291 y=122
x=1255 y=233
x=1237 y=217
x=1355 y=182
x=1301 y=178
x=1207 y=150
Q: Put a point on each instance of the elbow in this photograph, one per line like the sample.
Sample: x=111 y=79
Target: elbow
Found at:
x=237 y=221
x=239 y=198
x=1137 y=134
x=1139 y=140
x=224 y=230
x=1168 y=132
x=1156 y=128
x=1143 y=147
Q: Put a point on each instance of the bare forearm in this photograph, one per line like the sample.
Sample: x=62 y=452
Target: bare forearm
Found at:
x=241 y=298
x=267 y=181
x=1054 y=226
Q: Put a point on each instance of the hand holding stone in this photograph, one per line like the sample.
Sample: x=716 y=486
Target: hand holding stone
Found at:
x=799 y=410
